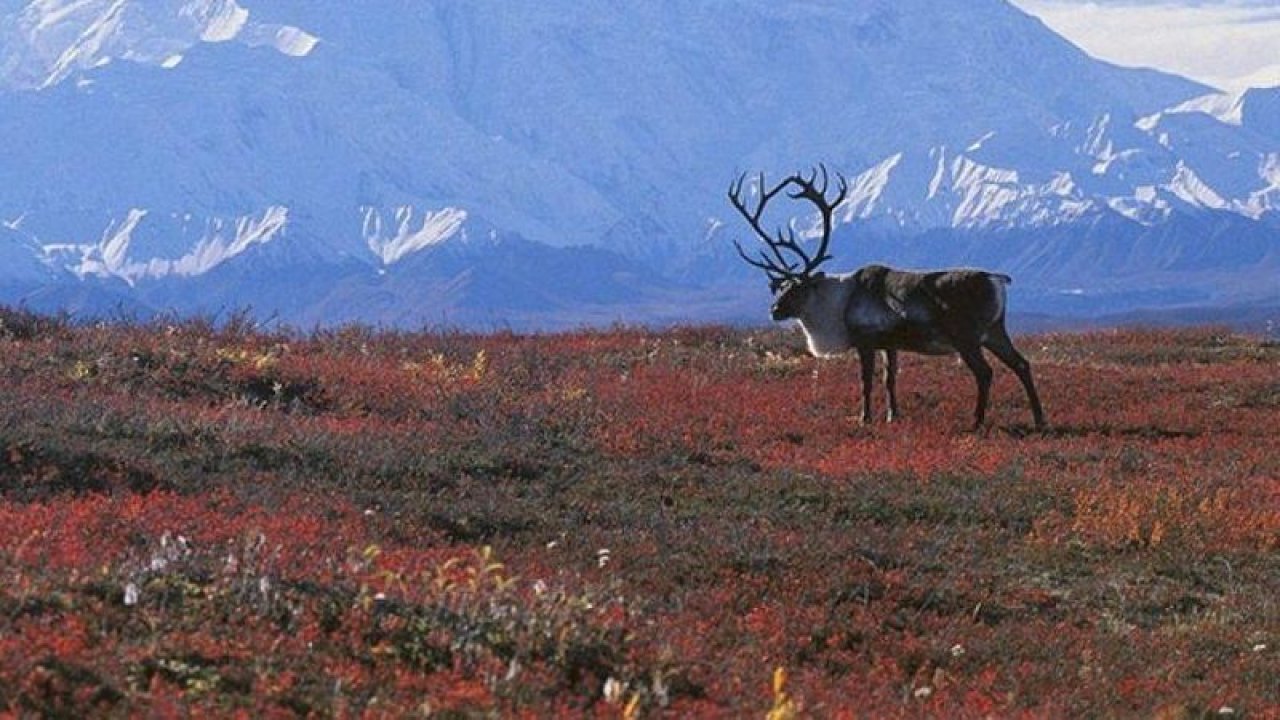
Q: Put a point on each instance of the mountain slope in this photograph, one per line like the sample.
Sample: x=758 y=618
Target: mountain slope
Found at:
x=165 y=143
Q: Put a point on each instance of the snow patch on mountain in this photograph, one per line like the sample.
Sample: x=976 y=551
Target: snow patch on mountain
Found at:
x=1226 y=108
x=941 y=189
x=1266 y=199
x=49 y=41
x=407 y=231
x=1146 y=206
x=976 y=145
x=225 y=241
x=1098 y=142
x=1191 y=189
x=984 y=192
x=117 y=256
x=1270 y=169
x=1256 y=109
x=867 y=188
x=973 y=194
x=286 y=39
x=219 y=21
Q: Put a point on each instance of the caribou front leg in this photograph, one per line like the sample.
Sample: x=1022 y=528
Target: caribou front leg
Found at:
x=891 y=383
x=867 y=359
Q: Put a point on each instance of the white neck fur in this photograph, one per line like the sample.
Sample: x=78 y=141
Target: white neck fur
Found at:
x=823 y=319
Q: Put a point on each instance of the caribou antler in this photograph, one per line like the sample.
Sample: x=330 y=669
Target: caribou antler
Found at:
x=818 y=196
x=777 y=267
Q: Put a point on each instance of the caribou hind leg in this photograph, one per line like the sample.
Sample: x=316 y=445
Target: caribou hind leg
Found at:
x=1001 y=346
x=982 y=373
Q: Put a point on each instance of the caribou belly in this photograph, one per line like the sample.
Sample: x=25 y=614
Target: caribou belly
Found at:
x=909 y=337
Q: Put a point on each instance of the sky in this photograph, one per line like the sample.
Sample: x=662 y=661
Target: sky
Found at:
x=1228 y=44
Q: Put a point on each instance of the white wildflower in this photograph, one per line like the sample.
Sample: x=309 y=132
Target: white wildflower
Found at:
x=131 y=595
x=614 y=691
x=661 y=690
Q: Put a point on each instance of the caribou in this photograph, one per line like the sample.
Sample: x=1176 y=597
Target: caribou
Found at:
x=877 y=308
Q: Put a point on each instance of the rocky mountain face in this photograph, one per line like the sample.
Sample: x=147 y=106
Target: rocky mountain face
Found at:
x=490 y=163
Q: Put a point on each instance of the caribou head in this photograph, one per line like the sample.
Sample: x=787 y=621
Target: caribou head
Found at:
x=793 y=273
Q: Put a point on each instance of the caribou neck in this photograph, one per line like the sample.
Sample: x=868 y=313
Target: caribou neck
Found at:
x=823 y=319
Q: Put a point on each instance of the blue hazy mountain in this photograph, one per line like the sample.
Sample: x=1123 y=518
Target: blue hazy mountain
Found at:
x=492 y=163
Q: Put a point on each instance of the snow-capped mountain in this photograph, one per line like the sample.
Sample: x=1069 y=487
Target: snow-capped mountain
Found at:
x=400 y=161
x=50 y=41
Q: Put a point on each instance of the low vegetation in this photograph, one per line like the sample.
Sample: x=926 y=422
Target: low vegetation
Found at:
x=216 y=520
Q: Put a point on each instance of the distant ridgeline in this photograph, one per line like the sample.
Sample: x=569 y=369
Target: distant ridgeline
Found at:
x=489 y=164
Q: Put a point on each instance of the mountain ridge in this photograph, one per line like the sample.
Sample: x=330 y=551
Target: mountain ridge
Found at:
x=404 y=126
